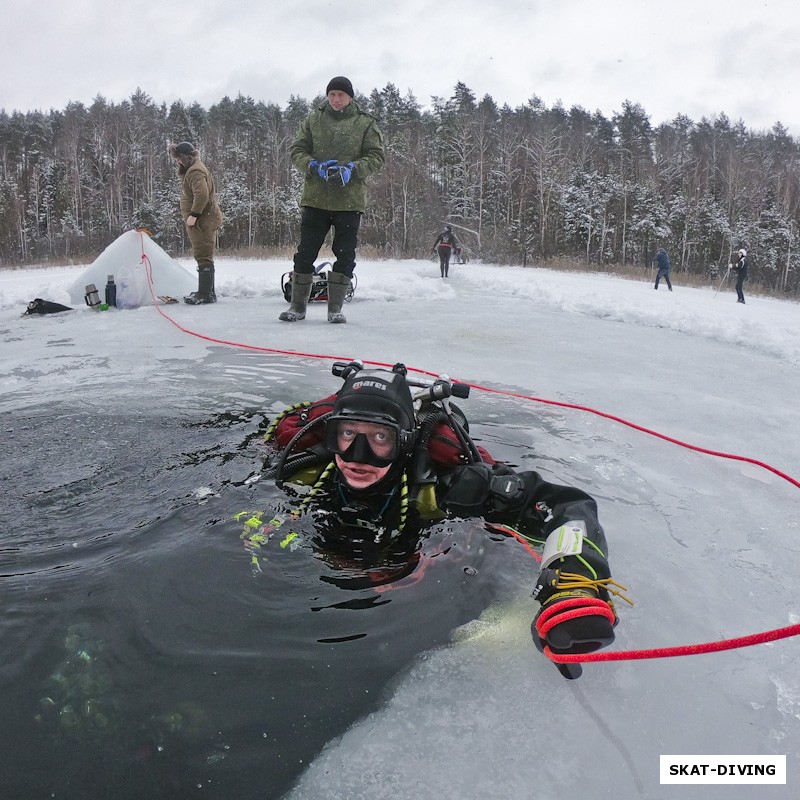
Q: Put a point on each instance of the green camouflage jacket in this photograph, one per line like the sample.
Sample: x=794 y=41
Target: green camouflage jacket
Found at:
x=346 y=135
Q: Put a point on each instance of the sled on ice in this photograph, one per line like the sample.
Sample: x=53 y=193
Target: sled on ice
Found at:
x=319 y=284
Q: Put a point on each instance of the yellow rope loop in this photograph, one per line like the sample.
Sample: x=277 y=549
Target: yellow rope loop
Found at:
x=315 y=488
x=572 y=580
x=403 y=501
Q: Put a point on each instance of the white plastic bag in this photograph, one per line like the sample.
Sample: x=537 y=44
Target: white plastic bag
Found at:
x=132 y=288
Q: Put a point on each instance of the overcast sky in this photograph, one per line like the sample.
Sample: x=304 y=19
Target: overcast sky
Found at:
x=695 y=57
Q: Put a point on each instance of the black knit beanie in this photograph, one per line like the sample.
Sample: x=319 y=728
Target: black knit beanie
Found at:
x=340 y=84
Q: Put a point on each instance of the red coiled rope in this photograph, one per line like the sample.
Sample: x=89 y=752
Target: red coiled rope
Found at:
x=578 y=607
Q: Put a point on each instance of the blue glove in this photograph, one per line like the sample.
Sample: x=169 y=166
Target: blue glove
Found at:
x=312 y=165
x=322 y=169
x=340 y=174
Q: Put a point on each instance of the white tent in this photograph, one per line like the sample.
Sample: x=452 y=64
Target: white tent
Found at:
x=130 y=259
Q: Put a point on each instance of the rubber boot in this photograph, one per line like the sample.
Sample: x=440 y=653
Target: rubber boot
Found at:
x=338 y=286
x=205 y=286
x=301 y=291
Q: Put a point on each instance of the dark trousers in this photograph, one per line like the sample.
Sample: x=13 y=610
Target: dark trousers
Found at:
x=444 y=252
x=740 y=289
x=665 y=275
x=314 y=226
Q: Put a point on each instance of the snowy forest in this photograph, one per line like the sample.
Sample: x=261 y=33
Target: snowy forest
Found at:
x=520 y=185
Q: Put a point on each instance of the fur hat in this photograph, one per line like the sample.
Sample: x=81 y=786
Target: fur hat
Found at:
x=743 y=252
x=340 y=84
x=183 y=150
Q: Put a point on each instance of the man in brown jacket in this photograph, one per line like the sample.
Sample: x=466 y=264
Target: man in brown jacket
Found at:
x=201 y=213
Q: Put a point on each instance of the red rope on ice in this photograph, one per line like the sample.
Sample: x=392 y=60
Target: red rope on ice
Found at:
x=681 y=650
x=642 y=429
x=624 y=655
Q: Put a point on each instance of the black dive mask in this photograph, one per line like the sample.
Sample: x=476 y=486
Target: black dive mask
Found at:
x=364 y=441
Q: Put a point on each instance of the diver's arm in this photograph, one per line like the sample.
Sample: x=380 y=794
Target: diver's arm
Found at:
x=528 y=503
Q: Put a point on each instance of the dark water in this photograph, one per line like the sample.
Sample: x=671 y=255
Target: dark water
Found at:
x=144 y=656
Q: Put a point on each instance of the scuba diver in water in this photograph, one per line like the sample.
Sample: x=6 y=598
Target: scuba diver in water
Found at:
x=382 y=463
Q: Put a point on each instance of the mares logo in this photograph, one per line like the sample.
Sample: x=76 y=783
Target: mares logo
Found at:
x=369 y=384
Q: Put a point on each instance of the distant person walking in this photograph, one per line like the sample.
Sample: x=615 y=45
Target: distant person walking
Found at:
x=336 y=148
x=444 y=246
x=202 y=216
x=662 y=260
x=741 y=267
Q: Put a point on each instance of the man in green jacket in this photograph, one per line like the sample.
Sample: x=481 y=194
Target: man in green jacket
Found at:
x=336 y=147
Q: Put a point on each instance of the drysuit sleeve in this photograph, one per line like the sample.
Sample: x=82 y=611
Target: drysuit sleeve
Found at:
x=531 y=505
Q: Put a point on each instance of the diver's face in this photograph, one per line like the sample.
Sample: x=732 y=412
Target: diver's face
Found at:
x=360 y=476
x=380 y=439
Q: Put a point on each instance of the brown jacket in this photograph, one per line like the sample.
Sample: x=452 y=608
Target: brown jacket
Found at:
x=198 y=196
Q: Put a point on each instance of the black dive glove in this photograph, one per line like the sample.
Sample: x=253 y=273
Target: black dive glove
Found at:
x=577 y=615
x=477 y=489
x=574 y=621
x=573 y=618
x=579 y=623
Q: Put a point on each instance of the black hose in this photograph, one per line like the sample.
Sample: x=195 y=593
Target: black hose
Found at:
x=298 y=462
x=433 y=418
x=469 y=447
x=289 y=447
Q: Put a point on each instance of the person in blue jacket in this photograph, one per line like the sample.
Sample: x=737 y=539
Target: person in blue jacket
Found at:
x=662 y=260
